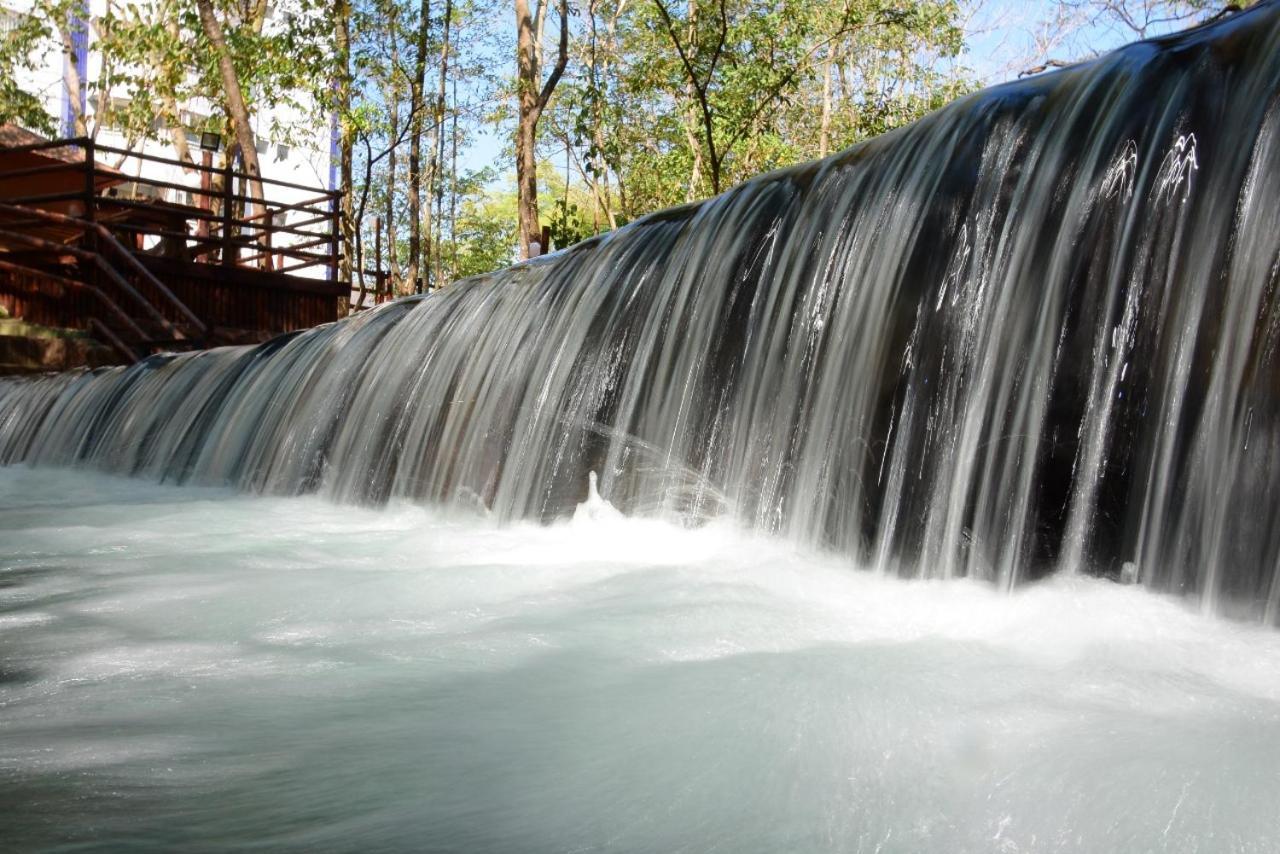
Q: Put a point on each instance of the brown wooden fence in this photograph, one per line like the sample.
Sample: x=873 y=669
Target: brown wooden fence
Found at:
x=159 y=263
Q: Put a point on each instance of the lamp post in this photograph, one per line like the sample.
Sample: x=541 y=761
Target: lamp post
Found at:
x=209 y=143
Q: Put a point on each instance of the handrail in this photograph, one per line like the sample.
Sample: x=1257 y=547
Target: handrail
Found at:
x=129 y=259
x=213 y=170
x=301 y=265
x=103 y=234
x=64 y=196
x=99 y=262
x=240 y=241
x=103 y=330
x=71 y=142
x=106 y=225
x=298 y=249
x=315 y=204
x=188 y=165
x=205 y=216
x=253 y=229
x=324 y=217
x=107 y=301
x=58 y=166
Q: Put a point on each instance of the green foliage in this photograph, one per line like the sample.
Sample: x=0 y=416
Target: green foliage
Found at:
x=671 y=94
x=156 y=59
x=484 y=235
x=568 y=224
x=159 y=57
x=25 y=47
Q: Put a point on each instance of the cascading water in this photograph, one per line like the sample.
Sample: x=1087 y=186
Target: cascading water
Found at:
x=1036 y=331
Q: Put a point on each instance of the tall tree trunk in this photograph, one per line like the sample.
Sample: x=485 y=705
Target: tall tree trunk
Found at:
x=414 y=271
x=691 y=93
x=527 y=78
x=342 y=44
x=600 y=69
x=233 y=98
x=824 y=137
x=532 y=96
x=527 y=185
x=71 y=78
x=172 y=117
x=593 y=75
x=358 y=217
x=430 y=249
x=695 y=173
x=453 y=186
x=394 y=132
x=440 y=137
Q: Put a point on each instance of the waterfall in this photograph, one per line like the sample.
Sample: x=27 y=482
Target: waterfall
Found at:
x=1037 y=331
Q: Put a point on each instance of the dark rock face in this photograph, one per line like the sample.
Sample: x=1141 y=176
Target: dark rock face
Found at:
x=1035 y=332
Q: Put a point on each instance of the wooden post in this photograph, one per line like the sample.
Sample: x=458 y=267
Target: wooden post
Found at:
x=335 y=235
x=206 y=185
x=90 y=239
x=268 y=231
x=228 y=250
x=90 y=187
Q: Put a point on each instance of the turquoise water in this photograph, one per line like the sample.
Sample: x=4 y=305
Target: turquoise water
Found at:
x=196 y=669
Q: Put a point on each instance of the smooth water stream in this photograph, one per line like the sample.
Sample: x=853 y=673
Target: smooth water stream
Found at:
x=194 y=669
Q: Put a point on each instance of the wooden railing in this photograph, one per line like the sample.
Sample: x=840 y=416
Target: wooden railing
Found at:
x=226 y=225
x=105 y=240
x=149 y=262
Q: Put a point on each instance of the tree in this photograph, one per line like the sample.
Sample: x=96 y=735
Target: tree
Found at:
x=641 y=106
x=391 y=97
x=532 y=95
x=233 y=99
x=416 y=93
x=437 y=155
x=346 y=132
x=759 y=86
x=22 y=47
x=486 y=227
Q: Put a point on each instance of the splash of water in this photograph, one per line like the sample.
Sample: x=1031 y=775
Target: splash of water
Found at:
x=1036 y=331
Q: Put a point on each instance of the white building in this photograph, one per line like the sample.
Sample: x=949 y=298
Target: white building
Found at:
x=307 y=160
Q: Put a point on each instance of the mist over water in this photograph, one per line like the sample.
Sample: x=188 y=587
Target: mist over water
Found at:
x=191 y=668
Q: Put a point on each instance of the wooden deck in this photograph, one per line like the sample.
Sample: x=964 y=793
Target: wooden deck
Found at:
x=197 y=258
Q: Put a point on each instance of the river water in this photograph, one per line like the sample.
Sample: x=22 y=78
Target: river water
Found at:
x=195 y=668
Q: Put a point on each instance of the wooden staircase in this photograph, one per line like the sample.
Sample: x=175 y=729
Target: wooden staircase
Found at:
x=138 y=314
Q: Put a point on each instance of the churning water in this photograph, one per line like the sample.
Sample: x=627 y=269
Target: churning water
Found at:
x=188 y=668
